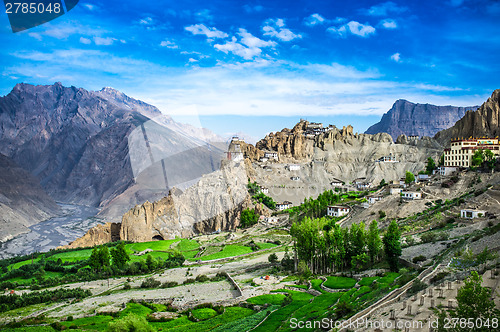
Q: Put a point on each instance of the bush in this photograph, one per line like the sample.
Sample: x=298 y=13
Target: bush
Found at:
x=428 y=237
x=273 y=258
x=202 y=278
x=130 y=322
x=417 y=286
x=150 y=283
x=381 y=214
x=419 y=259
x=126 y=286
x=169 y=284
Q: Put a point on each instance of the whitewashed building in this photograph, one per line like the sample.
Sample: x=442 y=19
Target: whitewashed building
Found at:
x=446 y=170
x=423 y=177
x=264 y=190
x=412 y=195
x=336 y=183
x=294 y=167
x=283 y=206
x=388 y=159
x=271 y=155
x=373 y=199
x=295 y=178
x=337 y=211
x=363 y=186
x=395 y=190
x=472 y=214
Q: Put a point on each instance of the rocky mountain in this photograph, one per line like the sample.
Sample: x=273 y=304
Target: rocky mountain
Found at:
x=212 y=204
x=100 y=148
x=483 y=122
x=406 y=118
x=23 y=202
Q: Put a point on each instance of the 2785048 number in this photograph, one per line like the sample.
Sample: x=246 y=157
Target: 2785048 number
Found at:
x=471 y=323
x=32 y=8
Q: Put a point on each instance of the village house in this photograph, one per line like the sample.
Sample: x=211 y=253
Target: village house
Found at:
x=445 y=170
x=472 y=214
x=336 y=183
x=264 y=190
x=395 y=190
x=413 y=137
x=460 y=153
x=293 y=167
x=283 y=206
x=412 y=195
x=373 y=199
x=337 y=211
x=388 y=159
x=264 y=159
x=271 y=155
x=423 y=177
x=295 y=178
x=363 y=186
x=234 y=151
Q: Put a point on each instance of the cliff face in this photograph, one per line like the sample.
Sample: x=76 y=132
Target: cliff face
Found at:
x=483 y=122
x=23 y=202
x=213 y=204
x=91 y=147
x=406 y=118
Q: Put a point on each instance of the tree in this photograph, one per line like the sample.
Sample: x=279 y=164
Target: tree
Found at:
x=409 y=178
x=99 y=258
x=119 y=255
x=374 y=243
x=382 y=183
x=489 y=157
x=441 y=160
x=248 y=218
x=273 y=258
x=431 y=165
x=392 y=245
x=104 y=256
x=473 y=302
x=477 y=158
x=150 y=262
x=94 y=259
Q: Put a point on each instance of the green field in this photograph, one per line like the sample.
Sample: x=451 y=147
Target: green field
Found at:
x=340 y=282
x=203 y=314
x=267 y=299
x=228 y=251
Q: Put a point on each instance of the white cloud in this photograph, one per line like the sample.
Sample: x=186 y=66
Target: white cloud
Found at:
x=169 y=44
x=251 y=41
x=238 y=49
x=89 y=6
x=276 y=28
x=388 y=24
x=396 y=57
x=338 y=32
x=359 y=29
x=85 y=41
x=201 y=29
x=314 y=19
x=146 y=21
x=104 y=41
x=383 y=9
x=35 y=35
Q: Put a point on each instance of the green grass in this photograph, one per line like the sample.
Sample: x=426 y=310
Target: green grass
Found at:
x=228 y=251
x=153 y=245
x=265 y=245
x=316 y=284
x=267 y=298
x=154 y=254
x=136 y=309
x=280 y=316
x=247 y=323
x=183 y=324
x=94 y=323
x=187 y=245
x=30 y=329
x=389 y=278
x=299 y=286
x=367 y=281
x=72 y=256
x=203 y=314
x=340 y=282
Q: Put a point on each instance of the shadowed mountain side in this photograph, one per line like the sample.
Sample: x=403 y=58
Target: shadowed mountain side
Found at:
x=407 y=118
x=23 y=202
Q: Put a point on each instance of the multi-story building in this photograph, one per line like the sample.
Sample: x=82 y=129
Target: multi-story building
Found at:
x=461 y=150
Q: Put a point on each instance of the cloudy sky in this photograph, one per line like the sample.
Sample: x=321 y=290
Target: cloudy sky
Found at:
x=258 y=66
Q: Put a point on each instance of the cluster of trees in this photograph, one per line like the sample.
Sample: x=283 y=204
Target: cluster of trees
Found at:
x=254 y=190
x=327 y=248
x=484 y=158
x=248 y=218
x=13 y=301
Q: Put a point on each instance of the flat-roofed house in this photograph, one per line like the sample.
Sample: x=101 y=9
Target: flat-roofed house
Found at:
x=412 y=195
x=283 y=206
x=472 y=214
x=337 y=210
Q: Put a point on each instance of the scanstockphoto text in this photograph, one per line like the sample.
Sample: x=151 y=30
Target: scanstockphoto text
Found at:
x=364 y=323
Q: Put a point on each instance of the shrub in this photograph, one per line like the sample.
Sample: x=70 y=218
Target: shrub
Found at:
x=382 y=214
x=419 y=259
x=202 y=278
x=169 y=284
x=150 y=283
x=273 y=258
x=126 y=286
x=417 y=286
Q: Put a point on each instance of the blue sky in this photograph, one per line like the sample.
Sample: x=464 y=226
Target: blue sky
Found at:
x=257 y=66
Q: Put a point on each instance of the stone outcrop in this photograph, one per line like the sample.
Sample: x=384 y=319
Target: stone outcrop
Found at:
x=108 y=232
x=213 y=204
x=23 y=202
x=407 y=118
x=483 y=122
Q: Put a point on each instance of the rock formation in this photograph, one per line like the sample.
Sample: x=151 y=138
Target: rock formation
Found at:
x=483 y=122
x=213 y=204
x=108 y=232
x=406 y=118
x=23 y=202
